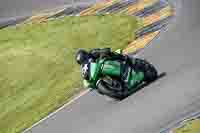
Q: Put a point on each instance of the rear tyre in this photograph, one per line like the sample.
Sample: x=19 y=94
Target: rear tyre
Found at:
x=150 y=72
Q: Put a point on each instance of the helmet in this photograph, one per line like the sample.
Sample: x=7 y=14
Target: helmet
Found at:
x=82 y=56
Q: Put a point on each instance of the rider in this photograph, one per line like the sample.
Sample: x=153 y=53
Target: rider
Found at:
x=101 y=65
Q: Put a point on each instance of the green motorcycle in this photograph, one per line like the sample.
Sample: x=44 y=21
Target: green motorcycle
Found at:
x=114 y=74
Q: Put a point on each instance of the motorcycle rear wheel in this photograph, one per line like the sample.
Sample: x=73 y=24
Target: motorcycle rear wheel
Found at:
x=150 y=72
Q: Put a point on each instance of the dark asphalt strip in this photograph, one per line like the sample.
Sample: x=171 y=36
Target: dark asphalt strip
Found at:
x=115 y=7
x=153 y=27
x=151 y=9
x=70 y=11
x=12 y=22
x=122 y=6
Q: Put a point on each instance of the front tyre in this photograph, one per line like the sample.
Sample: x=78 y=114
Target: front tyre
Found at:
x=104 y=89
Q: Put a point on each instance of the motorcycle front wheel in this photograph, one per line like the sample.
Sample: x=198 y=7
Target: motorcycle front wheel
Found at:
x=105 y=89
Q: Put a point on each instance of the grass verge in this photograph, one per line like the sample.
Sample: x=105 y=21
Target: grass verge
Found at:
x=38 y=72
x=190 y=127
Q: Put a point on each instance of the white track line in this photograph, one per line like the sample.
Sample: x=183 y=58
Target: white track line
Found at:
x=184 y=120
x=59 y=109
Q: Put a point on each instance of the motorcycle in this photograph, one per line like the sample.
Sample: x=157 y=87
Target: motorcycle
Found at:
x=113 y=74
x=117 y=89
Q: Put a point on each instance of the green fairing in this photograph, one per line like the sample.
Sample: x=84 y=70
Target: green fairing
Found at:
x=111 y=68
x=135 y=78
x=95 y=72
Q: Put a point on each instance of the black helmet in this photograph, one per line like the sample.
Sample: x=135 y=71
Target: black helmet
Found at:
x=81 y=56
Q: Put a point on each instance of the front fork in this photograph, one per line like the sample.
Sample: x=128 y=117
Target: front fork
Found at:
x=113 y=84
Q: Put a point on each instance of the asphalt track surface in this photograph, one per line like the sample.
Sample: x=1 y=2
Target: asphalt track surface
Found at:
x=176 y=51
x=15 y=11
x=16 y=8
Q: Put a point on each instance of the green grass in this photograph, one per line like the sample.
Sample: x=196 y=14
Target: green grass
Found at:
x=38 y=72
x=189 y=127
